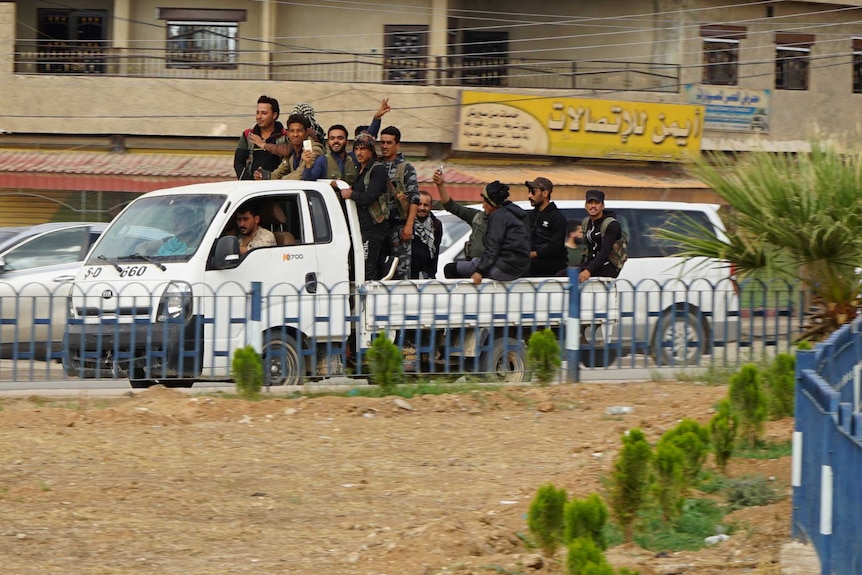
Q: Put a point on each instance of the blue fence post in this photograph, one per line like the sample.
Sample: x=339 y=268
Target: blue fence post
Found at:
x=573 y=327
x=256 y=295
x=804 y=361
x=253 y=331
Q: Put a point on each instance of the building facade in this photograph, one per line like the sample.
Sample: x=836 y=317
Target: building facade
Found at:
x=115 y=97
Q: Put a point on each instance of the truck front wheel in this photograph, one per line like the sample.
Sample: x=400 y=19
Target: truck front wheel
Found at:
x=281 y=360
x=507 y=361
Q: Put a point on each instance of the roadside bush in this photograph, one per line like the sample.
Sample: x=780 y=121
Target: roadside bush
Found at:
x=586 y=518
x=751 y=491
x=780 y=384
x=670 y=485
x=692 y=439
x=385 y=363
x=543 y=355
x=749 y=402
x=545 y=517
x=723 y=428
x=247 y=372
x=629 y=481
x=585 y=557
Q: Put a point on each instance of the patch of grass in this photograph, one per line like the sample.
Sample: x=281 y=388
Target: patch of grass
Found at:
x=699 y=520
x=710 y=483
x=36 y=400
x=751 y=491
x=765 y=450
x=712 y=375
x=411 y=390
x=500 y=569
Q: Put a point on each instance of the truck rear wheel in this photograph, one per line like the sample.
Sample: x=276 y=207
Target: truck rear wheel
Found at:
x=281 y=360
x=680 y=339
x=507 y=361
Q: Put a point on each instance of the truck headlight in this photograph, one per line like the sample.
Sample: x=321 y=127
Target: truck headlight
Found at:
x=176 y=302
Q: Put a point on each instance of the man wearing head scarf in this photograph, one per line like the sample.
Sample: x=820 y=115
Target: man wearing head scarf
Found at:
x=506 y=255
x=427 y=235
x=306 y=110
x=370 y=191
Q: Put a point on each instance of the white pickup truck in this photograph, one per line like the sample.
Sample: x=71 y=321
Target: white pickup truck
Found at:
x=165 y=296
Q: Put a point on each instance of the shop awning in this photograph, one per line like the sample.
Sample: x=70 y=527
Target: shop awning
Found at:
x=143 y=172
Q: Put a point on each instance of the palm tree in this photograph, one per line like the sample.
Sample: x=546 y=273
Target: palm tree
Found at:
x=793 y=217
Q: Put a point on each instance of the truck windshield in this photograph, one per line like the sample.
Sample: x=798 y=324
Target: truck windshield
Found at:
x=164 y=228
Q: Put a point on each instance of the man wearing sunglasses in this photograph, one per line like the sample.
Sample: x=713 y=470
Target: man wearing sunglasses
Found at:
x=547 y=230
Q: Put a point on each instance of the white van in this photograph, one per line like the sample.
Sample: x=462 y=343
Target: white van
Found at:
x=670 y=309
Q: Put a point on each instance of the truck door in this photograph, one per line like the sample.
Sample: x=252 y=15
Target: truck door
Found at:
x=301 y=279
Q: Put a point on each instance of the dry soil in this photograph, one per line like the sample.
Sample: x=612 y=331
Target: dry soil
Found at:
x=163 y=482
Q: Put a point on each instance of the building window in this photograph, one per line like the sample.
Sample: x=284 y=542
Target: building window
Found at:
x=720 y=62
x=857 y=65
x=721 y=53
x=792 y=59
x=201 y=38
x=485 y=59
x=71 y=41
x=405 y=55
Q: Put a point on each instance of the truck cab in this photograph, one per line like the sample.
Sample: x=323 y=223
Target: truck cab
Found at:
x=163 y=294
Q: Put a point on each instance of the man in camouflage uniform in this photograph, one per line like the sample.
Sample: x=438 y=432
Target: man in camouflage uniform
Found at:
x=403 y=177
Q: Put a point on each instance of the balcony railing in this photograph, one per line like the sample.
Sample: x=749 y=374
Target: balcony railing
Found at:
x=93 y=58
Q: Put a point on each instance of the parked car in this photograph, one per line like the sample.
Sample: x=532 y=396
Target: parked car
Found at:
x=669 y=308
x=37 y=264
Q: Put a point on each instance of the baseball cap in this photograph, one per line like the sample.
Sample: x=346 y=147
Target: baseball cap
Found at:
x=541 y=184
x=596 y=195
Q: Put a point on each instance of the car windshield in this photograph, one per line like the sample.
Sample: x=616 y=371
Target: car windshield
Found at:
x=166 y=228
x=6 y=234
x=455 y=230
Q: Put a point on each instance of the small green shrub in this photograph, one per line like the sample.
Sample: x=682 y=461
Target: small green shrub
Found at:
x=247 y=372
x=545 y=517
x=670 y=485
x=751 y=491
x=765 y=450
x=386 y=363
x=586 y=518
x=749 y=402
x=723 y=428
x=584 y=557
x=543 y=355
x=629 y=481
x=692 y=439
x=697 y=521
x=781 y=384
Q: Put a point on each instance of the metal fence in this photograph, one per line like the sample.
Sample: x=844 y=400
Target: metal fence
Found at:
x=827 y=450
x=444 y=329
x=102 y=59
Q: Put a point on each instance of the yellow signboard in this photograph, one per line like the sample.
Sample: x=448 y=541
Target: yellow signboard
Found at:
x=612 y=129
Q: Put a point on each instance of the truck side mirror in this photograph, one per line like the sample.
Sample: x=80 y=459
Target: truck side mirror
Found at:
x=226 y=253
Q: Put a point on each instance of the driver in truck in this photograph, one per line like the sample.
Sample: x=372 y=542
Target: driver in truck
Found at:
x=187 y=227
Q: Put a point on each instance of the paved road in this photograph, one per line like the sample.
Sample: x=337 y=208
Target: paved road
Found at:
x=60 y=387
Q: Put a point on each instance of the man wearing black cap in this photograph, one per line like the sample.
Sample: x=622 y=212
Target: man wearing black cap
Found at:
x=598 y=244
x=506 y=255
x=547 y=230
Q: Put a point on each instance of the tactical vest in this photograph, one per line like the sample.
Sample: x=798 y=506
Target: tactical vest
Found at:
x=334 y=172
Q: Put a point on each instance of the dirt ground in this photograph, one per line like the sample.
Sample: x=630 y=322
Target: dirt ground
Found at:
x=165 y=482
